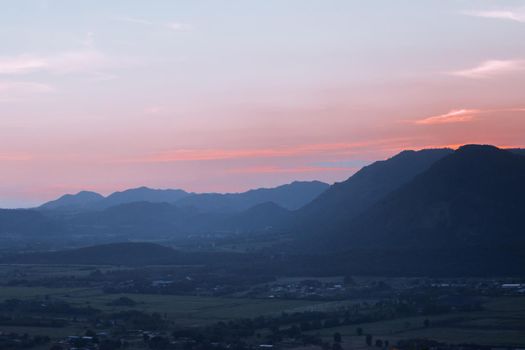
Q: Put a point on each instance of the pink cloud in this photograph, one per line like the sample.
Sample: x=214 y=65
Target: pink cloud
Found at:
x=15 y=157
x=86 y=60
x=491 y=68
x=21 y=64
x=14 y=90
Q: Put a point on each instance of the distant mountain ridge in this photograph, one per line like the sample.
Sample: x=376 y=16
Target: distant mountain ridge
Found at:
x=147 y=214
x=86 y=200
x=290 y=196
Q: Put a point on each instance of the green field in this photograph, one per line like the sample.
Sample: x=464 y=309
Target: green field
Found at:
x=502 y=322
x=190 y=310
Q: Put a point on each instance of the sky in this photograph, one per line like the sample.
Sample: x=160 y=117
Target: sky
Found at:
x=228 y=95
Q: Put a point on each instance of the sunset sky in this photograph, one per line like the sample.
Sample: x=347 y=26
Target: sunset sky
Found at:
x=227 y=95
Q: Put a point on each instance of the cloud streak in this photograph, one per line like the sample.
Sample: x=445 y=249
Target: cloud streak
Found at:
x=14 y=90
x=454 y=116
x=280 y=170
x=61 y=63
x=175 y=26
x=509 y=15
x=14 y=157
x=462 y=116
x=491 y=68
x=181 y=155
x=21 y=64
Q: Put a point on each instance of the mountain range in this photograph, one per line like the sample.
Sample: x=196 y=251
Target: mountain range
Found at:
x=422 y=211
x=290 y=196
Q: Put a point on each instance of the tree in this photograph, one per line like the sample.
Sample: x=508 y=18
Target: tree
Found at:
x=369 y=339
x=305 y=326
x=337 y=337
x=159 y=343
x=379 y=343
x=337 y=346
x=294 y=331
x=359 y=331
x=426 y=323
x=109 y=345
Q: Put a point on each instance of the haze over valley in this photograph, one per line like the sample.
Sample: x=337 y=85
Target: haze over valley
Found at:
x=264 y=174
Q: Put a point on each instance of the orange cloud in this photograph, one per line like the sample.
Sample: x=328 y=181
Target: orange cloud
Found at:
x=454 y=116
x=275 y=169
x=290 y=151
x=462 y=115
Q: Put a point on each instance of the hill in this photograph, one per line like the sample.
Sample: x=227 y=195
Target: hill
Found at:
x=290 y=196
x=147 y=220
x=27 y=223
x=262 y=217
x=107 y=254
x=144 y=194
x=134 y=254
x=140 y=220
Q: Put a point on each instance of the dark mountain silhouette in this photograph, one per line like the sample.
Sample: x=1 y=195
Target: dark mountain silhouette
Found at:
x=291 y=196
x=519 y=151
x=465 y=213
x=473 y=197
x=80 y=201
x=26 y=222
x=344 y=201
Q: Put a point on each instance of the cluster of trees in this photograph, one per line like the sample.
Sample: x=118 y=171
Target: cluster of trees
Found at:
x=21 y=341
x=41 y=312
x=133 y=319
x=46 y=306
